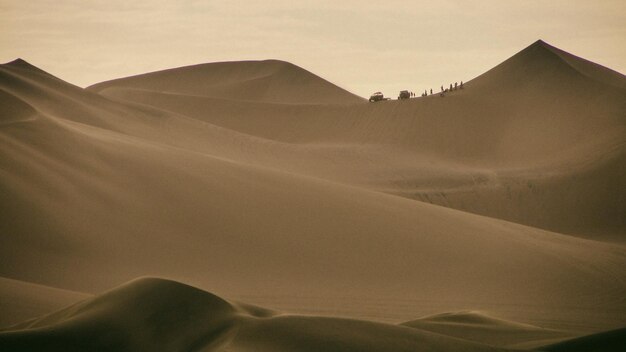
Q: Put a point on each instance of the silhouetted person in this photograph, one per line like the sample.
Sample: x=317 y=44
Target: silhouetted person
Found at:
x=450 y=86
x=431 y=91
x=461 y=84
x=442 y=88
x=454 y=85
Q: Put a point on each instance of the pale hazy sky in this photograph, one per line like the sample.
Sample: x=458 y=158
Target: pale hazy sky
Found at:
x=362 y=46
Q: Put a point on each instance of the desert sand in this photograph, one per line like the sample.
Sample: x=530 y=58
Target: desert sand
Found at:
x=488 y=219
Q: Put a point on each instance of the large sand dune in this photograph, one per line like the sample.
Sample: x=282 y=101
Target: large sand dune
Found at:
x=265 y=81
x=262 y=179
x=513 y=145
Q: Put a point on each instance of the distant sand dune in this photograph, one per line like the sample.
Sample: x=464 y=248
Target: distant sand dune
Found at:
x=609 y=341
x=21 y=300
x=269 y=80
x=519 y=138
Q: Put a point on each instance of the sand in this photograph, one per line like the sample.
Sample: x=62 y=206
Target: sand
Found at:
x=152 y=314
x=261 y=182
x=20 y=301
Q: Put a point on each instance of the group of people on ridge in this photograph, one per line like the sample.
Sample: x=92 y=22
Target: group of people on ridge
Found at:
x=446 y=90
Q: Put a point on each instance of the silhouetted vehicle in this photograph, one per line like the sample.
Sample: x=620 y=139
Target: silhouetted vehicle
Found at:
x=378 y=96
x=404 y=94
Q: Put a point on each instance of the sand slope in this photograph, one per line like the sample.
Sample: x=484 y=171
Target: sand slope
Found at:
x=609 y=341
x=151 y=314
x=21 y=300
x=513 y=144
x=480 y=327
x=160 y=315
x=269 y=81
x=317 y=198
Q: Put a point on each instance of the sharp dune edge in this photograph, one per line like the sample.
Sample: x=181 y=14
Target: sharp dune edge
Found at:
x=495 y=212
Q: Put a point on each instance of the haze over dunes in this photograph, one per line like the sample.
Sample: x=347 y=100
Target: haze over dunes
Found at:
x=496 y=211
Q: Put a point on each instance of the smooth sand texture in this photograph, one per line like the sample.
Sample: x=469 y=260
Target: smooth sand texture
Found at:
x=480 y=327
x=264 y=81
x=609 y=341
x=513 y=144
x=21 y=300
x=294 y=188
x=153 y=314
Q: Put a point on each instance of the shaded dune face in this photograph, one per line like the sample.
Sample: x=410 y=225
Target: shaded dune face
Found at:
x=609 y=341
x=261 y=178
x=13 y=110
x=160 y=315
x=151 y=314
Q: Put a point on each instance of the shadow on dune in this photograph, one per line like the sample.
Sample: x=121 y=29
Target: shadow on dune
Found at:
x=152 y=314
x=609 y=341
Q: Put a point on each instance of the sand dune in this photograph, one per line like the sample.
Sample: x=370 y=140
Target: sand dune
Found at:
x=259 y=178
x=513 y=144
x=609 y=341
x=14 y=109
x=21 y=300
x=268 y=81
x=480 y=327
x=145 y=315
x=152 y=314
x=169 y=316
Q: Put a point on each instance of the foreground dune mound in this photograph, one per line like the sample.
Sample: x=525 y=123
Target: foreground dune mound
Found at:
x=152 y=314
x=160 y=315
x=480 y=327
x=269 y=81
x=143 y=315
